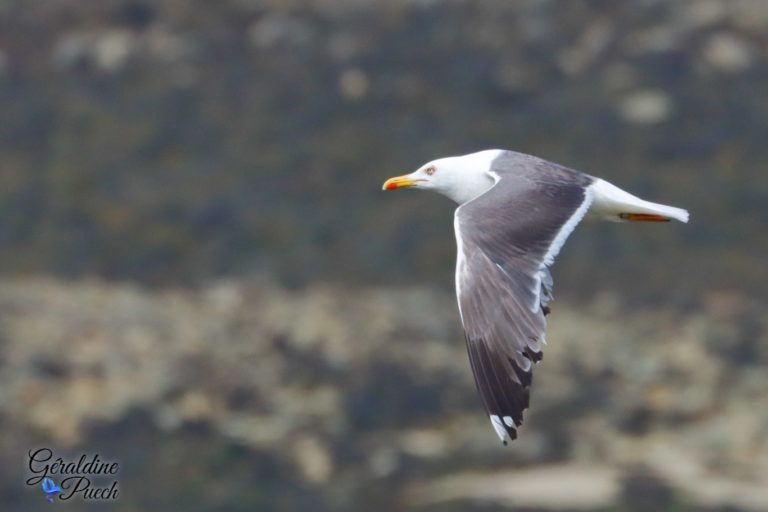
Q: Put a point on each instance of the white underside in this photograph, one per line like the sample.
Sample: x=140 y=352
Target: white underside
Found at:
x=609 y=201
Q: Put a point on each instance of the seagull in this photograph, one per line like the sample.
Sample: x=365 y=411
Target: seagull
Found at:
x=515 y=213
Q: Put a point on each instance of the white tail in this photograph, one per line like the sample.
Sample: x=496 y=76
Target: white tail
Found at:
x=609 y=202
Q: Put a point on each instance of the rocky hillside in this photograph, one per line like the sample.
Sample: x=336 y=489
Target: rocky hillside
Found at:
x=249 y=396
x=169 y=142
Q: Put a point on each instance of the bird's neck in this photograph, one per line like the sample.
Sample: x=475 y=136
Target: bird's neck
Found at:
x=469 y=187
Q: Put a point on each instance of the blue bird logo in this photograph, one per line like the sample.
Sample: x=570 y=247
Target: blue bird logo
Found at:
x=50 y=489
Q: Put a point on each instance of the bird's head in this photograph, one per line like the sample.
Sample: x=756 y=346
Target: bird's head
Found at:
x=460 y=178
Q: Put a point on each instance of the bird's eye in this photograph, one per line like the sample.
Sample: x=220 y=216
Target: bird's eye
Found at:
x=430 y=171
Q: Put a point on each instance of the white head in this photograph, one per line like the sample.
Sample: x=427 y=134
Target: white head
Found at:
x=461 y=178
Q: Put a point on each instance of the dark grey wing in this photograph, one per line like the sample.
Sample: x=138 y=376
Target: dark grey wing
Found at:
x=506 y=238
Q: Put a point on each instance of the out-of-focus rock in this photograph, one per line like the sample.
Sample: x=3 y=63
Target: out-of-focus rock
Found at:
x=313 y=459
x=545 y=488
x=727 y=53
x=279 y=28
x=360 y=387
x=646 y=107
x=353 y=84
x=107 y=50
x=703 y=13
x=578 y=57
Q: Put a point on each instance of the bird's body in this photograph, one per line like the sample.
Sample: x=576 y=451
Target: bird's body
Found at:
x=515 y=213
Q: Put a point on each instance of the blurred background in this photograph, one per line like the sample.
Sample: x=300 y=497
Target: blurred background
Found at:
x=200 y=277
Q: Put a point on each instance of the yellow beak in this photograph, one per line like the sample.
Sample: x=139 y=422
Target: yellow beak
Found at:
x=399 y=182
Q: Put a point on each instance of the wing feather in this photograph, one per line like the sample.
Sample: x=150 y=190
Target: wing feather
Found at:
x=506 y=239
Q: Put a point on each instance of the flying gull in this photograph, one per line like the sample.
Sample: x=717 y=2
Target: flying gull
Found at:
x=515 y=212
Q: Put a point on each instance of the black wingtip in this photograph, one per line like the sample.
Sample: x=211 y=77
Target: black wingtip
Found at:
x=504 y=442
